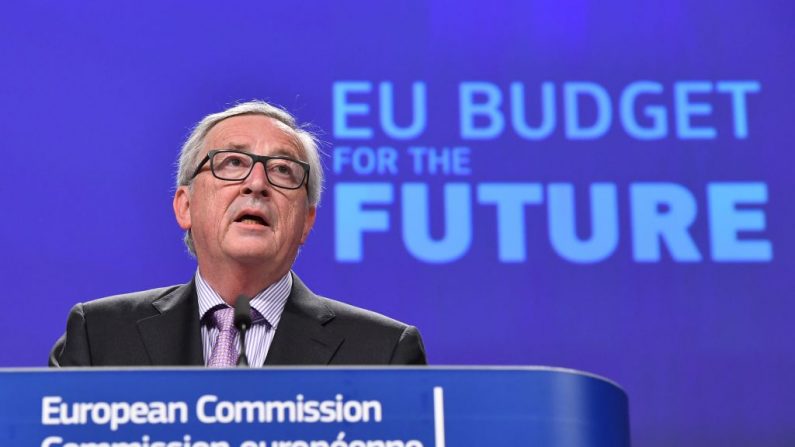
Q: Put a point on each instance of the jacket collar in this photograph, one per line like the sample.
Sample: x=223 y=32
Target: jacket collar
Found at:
x=173 y=335
x=303 y=336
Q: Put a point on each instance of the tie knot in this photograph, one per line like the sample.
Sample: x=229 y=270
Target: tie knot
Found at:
x=224 y=318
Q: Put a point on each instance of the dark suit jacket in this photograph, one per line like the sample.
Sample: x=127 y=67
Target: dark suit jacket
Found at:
x=160 y=327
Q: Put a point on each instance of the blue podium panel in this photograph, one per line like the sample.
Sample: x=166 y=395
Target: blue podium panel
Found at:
x=294 y=407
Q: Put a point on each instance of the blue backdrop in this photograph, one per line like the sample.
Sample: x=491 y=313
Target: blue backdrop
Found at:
x=596 y=185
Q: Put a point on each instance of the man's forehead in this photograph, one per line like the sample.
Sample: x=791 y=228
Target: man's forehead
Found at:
x=245 y=131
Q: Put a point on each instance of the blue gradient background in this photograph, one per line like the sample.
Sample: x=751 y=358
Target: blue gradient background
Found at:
x=96 y=98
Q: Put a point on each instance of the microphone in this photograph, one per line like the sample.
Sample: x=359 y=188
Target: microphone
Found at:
x=242 y=323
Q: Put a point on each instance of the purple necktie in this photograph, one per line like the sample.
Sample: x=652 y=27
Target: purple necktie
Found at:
x=224 y=352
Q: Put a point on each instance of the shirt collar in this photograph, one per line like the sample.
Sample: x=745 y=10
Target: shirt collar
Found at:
x=267 y=305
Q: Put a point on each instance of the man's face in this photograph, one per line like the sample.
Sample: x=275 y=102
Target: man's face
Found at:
x=248 y=222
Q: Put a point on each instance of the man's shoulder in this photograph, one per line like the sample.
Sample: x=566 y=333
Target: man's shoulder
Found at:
x=120 y=330
x=372 y=338
x=129 y=303
x=347 y=313
x=337 y=313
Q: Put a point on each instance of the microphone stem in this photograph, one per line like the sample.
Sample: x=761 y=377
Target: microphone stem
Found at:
x=242 y=359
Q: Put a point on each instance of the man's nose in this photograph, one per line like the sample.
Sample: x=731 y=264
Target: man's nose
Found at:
x=257 y=181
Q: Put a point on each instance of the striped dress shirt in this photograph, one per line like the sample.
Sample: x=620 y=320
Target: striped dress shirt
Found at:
x=266 y=306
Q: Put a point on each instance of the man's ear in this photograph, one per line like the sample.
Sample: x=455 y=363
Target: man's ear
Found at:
x=308 y=223
x=182 y=207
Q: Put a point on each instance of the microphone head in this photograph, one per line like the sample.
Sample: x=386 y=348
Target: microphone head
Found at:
x=242 y=313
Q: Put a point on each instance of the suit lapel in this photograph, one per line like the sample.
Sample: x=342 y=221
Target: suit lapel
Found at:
x=173 y=336
x=302 y=337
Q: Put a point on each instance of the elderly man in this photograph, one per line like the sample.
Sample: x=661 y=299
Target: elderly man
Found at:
x=248 y=187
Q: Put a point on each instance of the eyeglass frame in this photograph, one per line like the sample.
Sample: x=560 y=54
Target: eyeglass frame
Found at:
x=257 y=159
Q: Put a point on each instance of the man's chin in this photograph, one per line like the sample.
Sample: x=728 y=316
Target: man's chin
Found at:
x=250 y=250
x=251 y=257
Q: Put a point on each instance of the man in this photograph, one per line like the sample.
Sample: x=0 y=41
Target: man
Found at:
x=248 y=186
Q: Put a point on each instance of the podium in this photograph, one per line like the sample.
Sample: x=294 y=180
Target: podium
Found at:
x=311 y=407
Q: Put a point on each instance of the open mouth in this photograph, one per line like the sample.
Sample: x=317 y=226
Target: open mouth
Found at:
x=251 y=219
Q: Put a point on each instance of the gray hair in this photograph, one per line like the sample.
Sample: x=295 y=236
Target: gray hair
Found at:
x=307 y=142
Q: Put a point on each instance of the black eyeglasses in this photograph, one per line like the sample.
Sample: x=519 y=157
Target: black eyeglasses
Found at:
x=232 y=165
